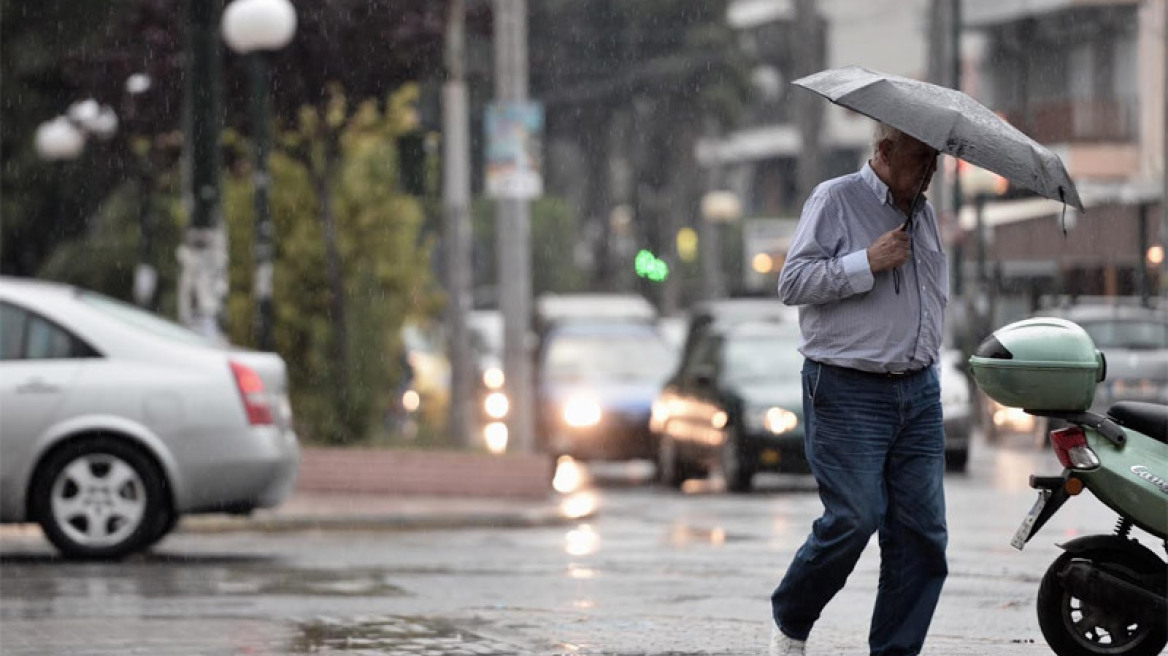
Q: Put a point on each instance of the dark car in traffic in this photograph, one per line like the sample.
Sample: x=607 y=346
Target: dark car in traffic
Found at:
x=735 y=402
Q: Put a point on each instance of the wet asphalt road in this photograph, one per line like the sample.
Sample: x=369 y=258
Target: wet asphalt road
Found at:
x=655 y=572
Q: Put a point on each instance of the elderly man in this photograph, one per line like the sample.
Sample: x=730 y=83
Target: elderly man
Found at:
x=867 y=269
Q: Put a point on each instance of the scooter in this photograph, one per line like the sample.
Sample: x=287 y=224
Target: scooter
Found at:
x=1106 y=594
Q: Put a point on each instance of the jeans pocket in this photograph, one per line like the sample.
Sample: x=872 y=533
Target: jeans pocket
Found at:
x=811 y=376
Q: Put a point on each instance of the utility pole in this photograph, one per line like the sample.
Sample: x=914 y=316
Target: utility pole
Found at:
x=938 y=66
x=513 y=233
x=202 y=256
x=955 y=73
x=809 y=49
x=1164 y=149
x=456 y=224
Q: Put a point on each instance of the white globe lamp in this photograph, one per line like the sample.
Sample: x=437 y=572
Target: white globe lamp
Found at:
x=59 y=140
x=251 y=25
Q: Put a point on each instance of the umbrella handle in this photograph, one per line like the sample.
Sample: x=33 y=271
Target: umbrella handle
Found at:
x=908 y=225
x=912 y=209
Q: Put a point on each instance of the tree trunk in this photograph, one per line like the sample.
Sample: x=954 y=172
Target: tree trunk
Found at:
x=322 y=183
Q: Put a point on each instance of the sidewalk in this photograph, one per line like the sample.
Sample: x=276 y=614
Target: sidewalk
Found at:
x=308 y=511
x=362 y=489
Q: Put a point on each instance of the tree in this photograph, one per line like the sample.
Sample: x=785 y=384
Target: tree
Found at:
x=350 y=265
x=340 y=374
x=53 y=54
x=628 y=86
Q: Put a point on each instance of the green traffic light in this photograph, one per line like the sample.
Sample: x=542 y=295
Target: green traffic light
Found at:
x=650 y=266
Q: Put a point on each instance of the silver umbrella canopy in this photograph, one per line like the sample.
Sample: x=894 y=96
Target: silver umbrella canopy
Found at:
x=951 y=122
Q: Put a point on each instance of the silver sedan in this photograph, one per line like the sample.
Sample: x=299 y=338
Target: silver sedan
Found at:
x=115 y=422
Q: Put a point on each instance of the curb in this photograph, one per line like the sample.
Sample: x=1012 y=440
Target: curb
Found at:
x=359 y=522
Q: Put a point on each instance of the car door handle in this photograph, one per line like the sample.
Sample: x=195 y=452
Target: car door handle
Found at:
x=37 y=386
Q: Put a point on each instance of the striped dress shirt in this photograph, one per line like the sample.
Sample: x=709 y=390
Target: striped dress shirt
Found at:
x=849 y=316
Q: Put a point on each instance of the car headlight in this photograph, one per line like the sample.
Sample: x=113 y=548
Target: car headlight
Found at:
x=493 y=378
x=658 y=413
x=1012 y=419
x=496 y=405
x=411 y=400
x=779 y=421
x=581 y=412
x=772 y=419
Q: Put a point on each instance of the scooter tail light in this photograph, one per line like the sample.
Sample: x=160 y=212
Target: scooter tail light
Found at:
x=1070 y=445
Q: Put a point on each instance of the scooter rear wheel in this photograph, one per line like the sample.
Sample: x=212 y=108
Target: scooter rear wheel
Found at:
x=1074 y=627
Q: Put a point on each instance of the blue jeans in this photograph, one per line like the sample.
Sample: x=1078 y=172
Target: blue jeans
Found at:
x=877 y=449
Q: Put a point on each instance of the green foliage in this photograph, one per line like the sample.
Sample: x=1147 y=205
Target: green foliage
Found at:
x=384 y=260
x=103 y=259
x=384 y=264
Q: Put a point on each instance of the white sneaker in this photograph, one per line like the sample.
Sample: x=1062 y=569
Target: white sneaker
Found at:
x=781 y=645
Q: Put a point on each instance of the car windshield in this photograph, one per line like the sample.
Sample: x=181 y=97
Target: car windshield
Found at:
x=762 y=356
x=622 y=357
x=139 y=318
x=1128 y=334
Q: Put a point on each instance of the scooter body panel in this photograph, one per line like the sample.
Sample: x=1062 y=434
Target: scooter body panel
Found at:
x=1132 y=479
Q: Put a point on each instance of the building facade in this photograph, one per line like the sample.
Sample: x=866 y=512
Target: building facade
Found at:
x=1087 y=79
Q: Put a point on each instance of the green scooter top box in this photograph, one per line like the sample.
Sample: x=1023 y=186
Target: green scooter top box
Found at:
x=1043 y=363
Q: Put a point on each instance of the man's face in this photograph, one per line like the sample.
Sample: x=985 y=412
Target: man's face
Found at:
x=909 y=161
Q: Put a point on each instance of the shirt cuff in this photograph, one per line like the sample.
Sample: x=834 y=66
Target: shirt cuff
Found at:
x=858 y=271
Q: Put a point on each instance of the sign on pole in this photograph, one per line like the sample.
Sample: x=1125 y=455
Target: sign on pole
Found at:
x=514 y=150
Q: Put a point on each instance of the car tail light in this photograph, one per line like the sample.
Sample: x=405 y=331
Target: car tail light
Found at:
x=251 y=389
x=1070 y=445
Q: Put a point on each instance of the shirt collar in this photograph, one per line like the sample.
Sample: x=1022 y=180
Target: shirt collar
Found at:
x=877 y=187
x=875 y=184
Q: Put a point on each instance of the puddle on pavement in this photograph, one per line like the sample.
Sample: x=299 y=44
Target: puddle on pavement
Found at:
x=100 y=581
x=394 y=635
x=311 y=582
x=685 y=534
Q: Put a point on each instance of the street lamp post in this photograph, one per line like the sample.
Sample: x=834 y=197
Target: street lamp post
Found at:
x=254 y=28
x=58 y=141
x=145 y=273
x=202 y=255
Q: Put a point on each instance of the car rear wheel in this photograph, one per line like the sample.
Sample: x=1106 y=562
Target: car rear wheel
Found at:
x=669 y=471
x=100 y=498
x=738 y=474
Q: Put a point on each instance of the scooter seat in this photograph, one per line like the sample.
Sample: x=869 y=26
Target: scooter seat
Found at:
x=1148 y=418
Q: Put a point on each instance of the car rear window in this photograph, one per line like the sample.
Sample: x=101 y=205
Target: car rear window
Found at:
x=1128 y=334
x=139 y=318
x=615 y=356
x=763 y=357
x=25 y=335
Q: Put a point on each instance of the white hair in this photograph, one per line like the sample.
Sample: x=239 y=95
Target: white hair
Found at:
x=885 y=132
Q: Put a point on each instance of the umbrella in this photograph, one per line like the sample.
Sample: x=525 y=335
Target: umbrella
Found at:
x=951 y=122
